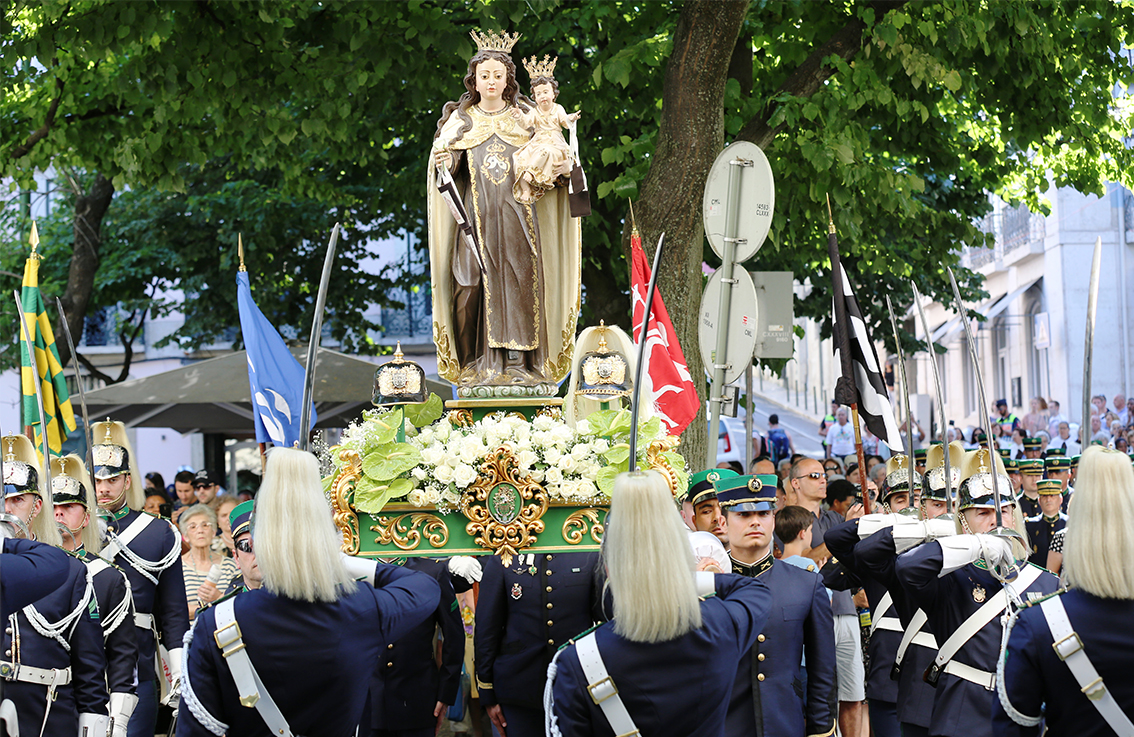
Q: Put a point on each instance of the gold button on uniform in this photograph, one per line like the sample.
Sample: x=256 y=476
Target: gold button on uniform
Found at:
x=551 y=642
x=390 y=646
x=549 y=557
x=549 y=589
x=760 y=657
x=549 y=623
x=547 y=573
x=760 y=638
x=391 y=665
x=549 y=605
x=760 y=677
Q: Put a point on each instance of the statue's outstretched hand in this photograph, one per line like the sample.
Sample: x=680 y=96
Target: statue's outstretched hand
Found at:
x=442 y=159
x=574 y=116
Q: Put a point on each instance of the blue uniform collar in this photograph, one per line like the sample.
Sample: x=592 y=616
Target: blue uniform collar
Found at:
x=752 y=570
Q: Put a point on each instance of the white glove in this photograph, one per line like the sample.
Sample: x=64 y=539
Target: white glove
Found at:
x=121 y=707
x=909 y=533
x=173 y=698
x=960 y=550
x=868 y=524
x=466 y=567
x=93 y=725
x=707 y=545
x=359 y=567
x=705 y=582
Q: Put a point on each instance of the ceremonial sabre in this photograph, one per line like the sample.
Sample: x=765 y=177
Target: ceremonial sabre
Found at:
x=78 y=381
x=448 y=190
x=906 y=396
x=643 y=343
x=38 y=391
x=313 y=344
x=986 y=419
x=1089 y=345
x=940 y=401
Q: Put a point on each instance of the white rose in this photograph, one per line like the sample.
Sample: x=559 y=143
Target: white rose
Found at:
x=536 y=475
x=463 y=475
x=419 y=473
x=444 y=474
x=543 y=423
x=432 y=455
x=417 y=498
x=553 y=475
x=566 y=464
x=527 y=458
x=563 y=434
x=583 y=427
x=581 y=451
x=585 y=488
x=589 y=470
x=601 y=445
x=432 y=496
x=523 y=434
x=551 y=456
x=442 y=430
x=471 y=449
x=450 y=498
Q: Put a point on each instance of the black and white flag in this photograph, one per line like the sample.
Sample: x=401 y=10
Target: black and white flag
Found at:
x=873 y=400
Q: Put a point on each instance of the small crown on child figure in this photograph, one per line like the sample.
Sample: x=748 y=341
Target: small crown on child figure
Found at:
x=495 y=41
x=545 y=68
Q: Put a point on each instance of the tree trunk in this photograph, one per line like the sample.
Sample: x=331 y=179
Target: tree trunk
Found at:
x=690 y=136
x=90 y=208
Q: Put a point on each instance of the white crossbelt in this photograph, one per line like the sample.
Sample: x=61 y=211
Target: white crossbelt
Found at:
x=1070 y=650
x=50 y=677
x=248 y=684
x=120 y=544
x=881 y=620
x=602 y=689
x=975 y=623
x=913 y=634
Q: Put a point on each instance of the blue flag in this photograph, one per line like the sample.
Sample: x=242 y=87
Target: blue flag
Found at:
x=275 y=377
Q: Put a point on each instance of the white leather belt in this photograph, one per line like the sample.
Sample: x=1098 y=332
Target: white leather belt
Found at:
x=893 y=624
x=50 y=677
x=1069 y=647
x=972 y=675
x=880 y=619
x=143 y=620
x=252 y=692
x=602 y=689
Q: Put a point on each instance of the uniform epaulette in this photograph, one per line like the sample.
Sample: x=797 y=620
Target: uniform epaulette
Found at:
x=1034 y=519
x=581 y=635
x=1040 y=599
x=73 y=554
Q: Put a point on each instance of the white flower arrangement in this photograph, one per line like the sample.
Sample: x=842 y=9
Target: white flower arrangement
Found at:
x=438 y=460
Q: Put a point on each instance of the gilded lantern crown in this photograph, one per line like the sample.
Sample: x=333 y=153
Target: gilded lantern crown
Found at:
x=545 y=68
x=605 y=373
x=495 y=41
x=399 y=382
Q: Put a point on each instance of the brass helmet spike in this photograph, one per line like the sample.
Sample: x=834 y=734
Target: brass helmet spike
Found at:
x=108 y=439
x=11 y=454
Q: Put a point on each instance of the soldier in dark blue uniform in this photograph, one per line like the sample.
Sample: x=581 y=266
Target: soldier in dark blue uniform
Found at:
x=1050 y=520
x=75 y=514
x=874 y=555
x=1033 y=447
x=1058 y=466
x=409 y=692
x=699 y=507
x=240 y=522
x=1031 y=471
x=769 y=696
x=148 y=549
x=886 y=627
x=668 y=667
x=300 y=649
x=30 y=570
x=957 y=581
x=527 y=608
x=1067 y=659
x=53 y=658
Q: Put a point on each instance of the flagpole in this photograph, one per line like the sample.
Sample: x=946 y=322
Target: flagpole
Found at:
x=845 y=390
x=914 y=481
x=263 y=447
x=643 y=355
x=313 y=344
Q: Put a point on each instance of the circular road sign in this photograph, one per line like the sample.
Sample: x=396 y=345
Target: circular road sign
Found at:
x=741 y=323
x=755 y=206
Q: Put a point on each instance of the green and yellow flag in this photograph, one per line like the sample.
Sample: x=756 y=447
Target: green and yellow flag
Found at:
x=56 y=401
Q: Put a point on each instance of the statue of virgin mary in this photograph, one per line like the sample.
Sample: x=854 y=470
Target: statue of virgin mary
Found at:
x=506 y=300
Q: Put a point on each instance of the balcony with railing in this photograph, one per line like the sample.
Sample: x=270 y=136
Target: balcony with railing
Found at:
x=1012 y=228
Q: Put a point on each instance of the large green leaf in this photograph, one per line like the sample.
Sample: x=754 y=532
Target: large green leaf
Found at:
x=390 y=461
x=370 y=496
x=425 y=413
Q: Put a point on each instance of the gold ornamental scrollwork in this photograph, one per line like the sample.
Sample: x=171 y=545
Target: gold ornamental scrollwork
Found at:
x=394 y=530
x=554 y=413
x=657 y=461
x=461 y=417
x=504 y=511
x=583 y=522
x=342 y=489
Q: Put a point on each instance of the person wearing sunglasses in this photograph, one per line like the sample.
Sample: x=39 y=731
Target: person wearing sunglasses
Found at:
x=240 y=520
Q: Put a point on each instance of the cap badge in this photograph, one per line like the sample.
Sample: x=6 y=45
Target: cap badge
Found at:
x=755 y=484
x=713 y=477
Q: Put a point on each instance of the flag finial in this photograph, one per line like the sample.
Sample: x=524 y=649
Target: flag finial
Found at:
x=240 y=252
x=33 y=238
x=830 y=216
x=633 y=222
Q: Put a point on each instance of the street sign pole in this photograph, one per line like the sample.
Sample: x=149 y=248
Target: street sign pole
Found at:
x=720 y=355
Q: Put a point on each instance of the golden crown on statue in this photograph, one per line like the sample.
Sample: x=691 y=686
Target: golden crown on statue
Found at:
x=545 y=68
x=495 y=41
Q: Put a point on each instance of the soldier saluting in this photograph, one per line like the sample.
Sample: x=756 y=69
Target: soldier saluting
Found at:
x=148 y=549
